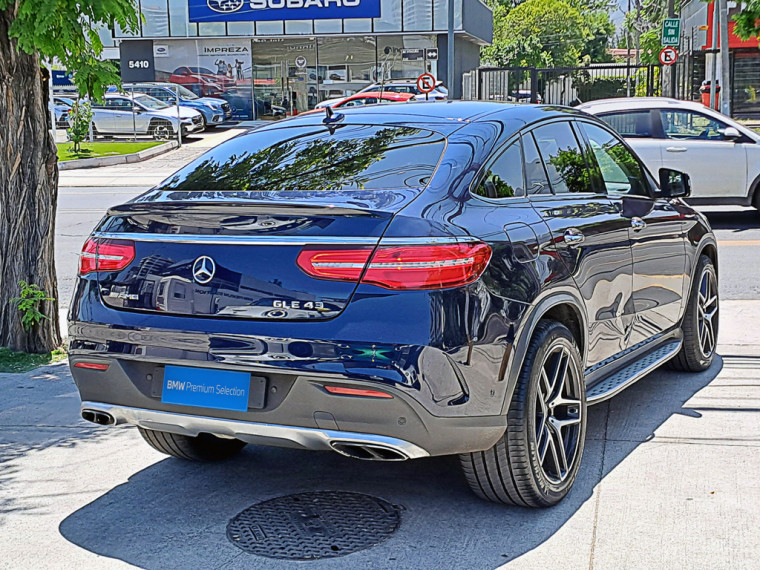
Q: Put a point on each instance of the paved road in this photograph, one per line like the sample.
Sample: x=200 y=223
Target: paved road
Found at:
x=668 y=479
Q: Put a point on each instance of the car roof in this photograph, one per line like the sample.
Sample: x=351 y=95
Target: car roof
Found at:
x=633 y=103
x=444 y=116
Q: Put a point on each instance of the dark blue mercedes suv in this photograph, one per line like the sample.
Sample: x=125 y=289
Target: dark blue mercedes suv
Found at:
x=396 y=282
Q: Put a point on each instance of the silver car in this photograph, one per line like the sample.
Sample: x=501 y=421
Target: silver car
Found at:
x=120 y=114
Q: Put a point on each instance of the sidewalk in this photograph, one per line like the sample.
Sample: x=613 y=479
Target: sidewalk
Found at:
x=669 y=480
x=150 y=172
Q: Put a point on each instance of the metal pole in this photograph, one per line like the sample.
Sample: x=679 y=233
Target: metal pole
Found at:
x=725 y=71
x=51 y=102
x=134 y=124
x=714 y=68
x=450 y=50
x=179 y=119
x=628 y=58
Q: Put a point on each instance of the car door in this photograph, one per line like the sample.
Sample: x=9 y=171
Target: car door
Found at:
x=694 y=144
x=640 y=129
x=120 y=115
x=588 y=233
x=656 y=233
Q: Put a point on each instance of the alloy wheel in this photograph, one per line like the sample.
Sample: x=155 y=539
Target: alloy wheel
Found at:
x=558 y=414
x=161 y=132
x=707 y=311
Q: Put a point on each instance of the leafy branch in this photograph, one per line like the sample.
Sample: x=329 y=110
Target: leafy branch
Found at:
x=28 y=303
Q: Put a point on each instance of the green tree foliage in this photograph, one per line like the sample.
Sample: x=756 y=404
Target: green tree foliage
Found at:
x=748 y=20
x=28 y=303
x=537 y=33
x=81 y=115
x=67 y=30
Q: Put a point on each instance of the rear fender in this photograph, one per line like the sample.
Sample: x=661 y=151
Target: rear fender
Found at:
x=538 y=310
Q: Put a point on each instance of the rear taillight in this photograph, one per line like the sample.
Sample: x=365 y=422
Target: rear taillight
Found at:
x=105 y=255
x=400 y=267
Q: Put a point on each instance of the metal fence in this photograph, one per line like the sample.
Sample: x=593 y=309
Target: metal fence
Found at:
x=570 y=85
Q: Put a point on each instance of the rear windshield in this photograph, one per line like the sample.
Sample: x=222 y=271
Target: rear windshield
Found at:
x=316 y=158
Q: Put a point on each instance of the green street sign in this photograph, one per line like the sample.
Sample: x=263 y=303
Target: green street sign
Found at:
x=671 y=32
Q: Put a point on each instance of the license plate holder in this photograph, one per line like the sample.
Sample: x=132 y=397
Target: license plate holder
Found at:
x=212 y=388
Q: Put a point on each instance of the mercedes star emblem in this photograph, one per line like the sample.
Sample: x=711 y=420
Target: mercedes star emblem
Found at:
x=204 y=269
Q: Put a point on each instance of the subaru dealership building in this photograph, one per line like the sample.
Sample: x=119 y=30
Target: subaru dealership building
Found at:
x=268 y=55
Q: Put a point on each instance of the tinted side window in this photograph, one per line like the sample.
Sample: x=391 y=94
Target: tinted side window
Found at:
x=563 y=158
x=504 y=176
x=690 y=125
x=621 y=172
x=630 y=124
x=536 y=181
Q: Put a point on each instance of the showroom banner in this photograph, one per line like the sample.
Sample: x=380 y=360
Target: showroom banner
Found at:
x=271 y=10
x=219 y=68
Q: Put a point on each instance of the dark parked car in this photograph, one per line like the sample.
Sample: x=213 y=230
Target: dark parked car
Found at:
x=394 y=282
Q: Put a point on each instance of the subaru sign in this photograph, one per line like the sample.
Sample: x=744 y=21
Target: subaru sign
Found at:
x=269 y=10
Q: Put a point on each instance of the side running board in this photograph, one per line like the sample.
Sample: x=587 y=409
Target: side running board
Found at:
x=624 y=377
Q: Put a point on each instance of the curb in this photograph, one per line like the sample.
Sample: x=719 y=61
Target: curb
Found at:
x=120 y=159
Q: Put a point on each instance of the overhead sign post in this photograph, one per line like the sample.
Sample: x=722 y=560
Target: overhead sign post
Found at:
x=274 y=10
x=668 y=56
x=671 y=32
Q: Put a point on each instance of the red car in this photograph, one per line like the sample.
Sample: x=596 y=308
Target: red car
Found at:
x=201 y=79
x=373 y=97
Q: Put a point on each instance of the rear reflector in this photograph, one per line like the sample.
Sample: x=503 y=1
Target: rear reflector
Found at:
x=91 y=365
x=340 y=390
x=105 y=255
x=402 y=267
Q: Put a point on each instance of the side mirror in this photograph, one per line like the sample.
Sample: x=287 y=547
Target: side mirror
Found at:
x=137 y=109
x=674 y=184
x=731 y=133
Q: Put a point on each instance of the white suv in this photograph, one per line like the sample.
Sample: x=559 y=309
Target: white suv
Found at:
x=721 y=156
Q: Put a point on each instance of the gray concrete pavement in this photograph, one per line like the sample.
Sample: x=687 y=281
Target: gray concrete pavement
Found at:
x=668 y=481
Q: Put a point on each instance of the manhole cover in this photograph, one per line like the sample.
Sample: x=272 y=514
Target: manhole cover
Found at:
x=321 y=524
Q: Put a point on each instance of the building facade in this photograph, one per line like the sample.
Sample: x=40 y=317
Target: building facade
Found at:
x=318 y=49
x=744 y=56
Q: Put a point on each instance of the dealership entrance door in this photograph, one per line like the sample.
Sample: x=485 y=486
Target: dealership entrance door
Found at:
x=284 y=77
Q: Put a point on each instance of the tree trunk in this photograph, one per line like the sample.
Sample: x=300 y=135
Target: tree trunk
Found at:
x=28 y=194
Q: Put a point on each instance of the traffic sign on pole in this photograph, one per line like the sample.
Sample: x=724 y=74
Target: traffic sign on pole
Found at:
x=426 y=82
x=671 y=32
x=668 y=56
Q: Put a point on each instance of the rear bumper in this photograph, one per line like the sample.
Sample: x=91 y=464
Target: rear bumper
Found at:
x=287 y=436
x=297 y=411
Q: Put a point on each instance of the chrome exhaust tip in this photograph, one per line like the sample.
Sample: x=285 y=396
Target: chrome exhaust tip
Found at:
x=368 y=451
x=98 y=417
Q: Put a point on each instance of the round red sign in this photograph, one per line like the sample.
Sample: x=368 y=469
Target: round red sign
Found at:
x=426 y=82
x=668 y=56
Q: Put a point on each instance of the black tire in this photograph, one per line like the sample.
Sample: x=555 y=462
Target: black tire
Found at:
x=700 y=322
x=204 y=447
x=512 y=472
x=161 y=130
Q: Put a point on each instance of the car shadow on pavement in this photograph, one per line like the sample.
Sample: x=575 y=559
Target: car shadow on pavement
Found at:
x=174 y=514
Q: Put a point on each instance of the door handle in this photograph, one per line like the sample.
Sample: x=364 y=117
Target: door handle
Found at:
x=638 y=224
x=676 y=149
x=573 y=237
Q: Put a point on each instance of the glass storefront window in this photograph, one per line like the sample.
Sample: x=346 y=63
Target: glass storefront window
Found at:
x=284 y=74
x=211 y=29
x=418 y=15
x=328 y=26
x=270 y=28
x=393 y=64
x=390 y=16
x=357 y=25
x=241 y=29
x=296 y=27
x=441 y=14
x=346 y=65
x=155 y=21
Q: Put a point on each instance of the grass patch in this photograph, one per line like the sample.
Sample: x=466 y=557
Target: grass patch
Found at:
x=95 y=149
x=15 y=362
